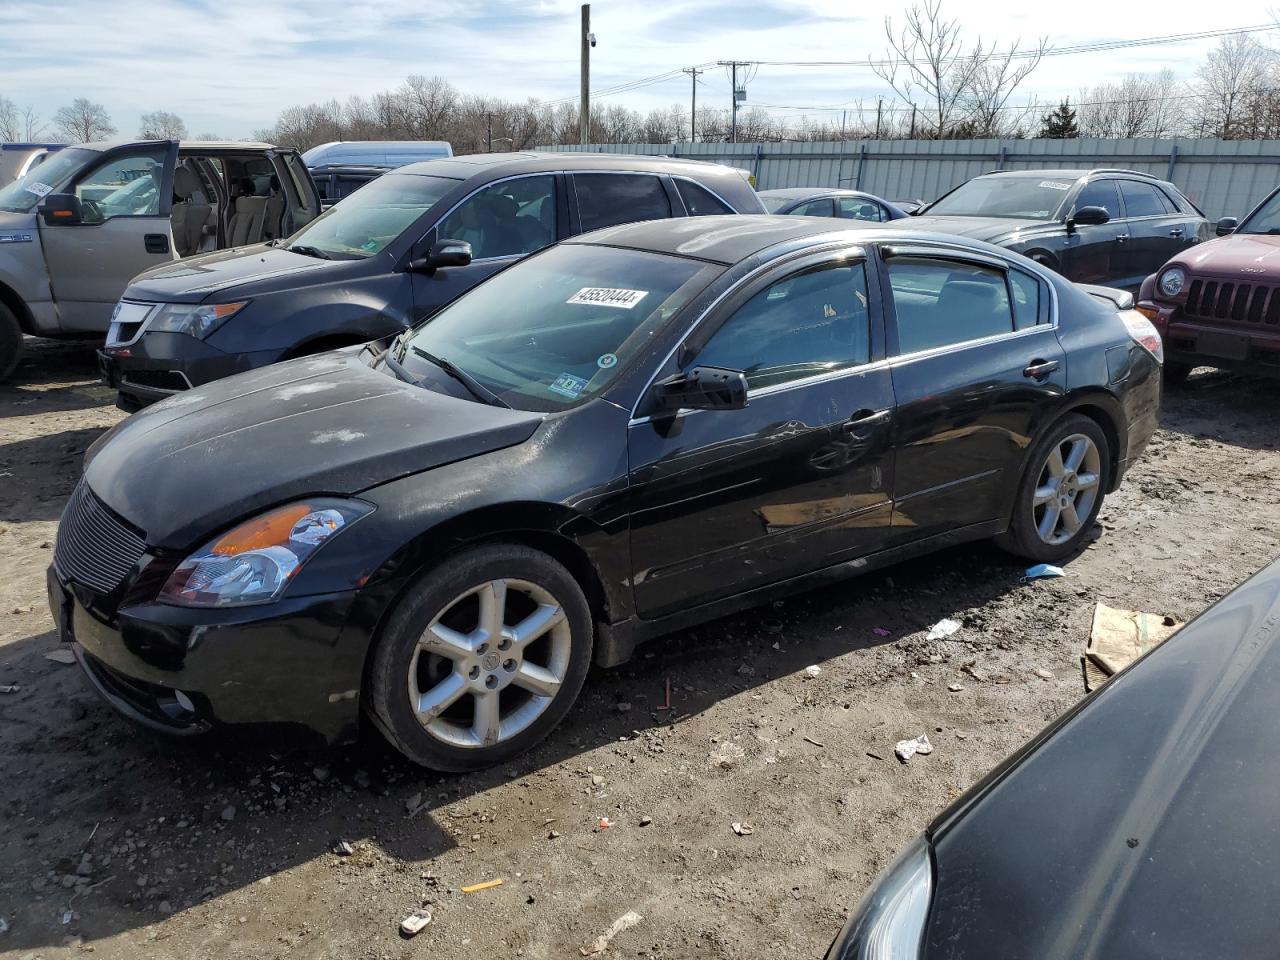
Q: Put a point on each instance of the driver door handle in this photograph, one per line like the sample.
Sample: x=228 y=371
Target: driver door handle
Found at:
x=862 y=419
x=1039 y=369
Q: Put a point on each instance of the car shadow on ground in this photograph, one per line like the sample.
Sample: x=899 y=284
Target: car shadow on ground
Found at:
x=1227 y=407
x=80 y=780
x=37 y=474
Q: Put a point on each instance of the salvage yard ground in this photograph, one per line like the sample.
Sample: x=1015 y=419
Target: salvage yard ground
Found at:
x=133 y=846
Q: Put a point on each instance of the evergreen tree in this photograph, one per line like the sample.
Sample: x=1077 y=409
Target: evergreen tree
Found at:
x=1060 y=124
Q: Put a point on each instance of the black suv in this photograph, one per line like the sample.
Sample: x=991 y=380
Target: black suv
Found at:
x=376 y=263
x=1112 y=227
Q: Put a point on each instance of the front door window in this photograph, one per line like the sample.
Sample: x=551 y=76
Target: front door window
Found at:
x=126 y=185
x=507 y=219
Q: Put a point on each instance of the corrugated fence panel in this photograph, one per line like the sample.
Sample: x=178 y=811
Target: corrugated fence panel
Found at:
x=1224 y=177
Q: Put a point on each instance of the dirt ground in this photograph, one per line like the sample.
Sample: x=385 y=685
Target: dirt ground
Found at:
x=117 y=842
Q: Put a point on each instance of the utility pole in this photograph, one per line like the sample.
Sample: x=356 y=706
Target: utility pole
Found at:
x=913 y=121
x=693 y=110
x=738 y=95
x=879 y=108
x=584 y=102
x=488 y=121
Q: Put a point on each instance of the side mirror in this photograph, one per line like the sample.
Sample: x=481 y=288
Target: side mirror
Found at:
x=1090 y=216
x=703 y=388
x=1227 y=225
x=60 y=209
x=444 y=253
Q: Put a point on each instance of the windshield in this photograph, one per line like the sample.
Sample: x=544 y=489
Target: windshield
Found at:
x=25 y=193
x=557 y=328
x=1266 y=219
x=365 y=222
x=774 y=204
x=1027 y=198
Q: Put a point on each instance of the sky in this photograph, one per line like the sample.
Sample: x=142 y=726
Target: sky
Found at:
x=229 y=66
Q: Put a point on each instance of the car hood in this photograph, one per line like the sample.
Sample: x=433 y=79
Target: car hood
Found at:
x=990 y=229
x=193 y=464
x=1252 y=255
x=242 y=271
x=1144 y=824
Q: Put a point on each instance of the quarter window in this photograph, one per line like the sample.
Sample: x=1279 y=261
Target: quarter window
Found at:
x=1026 y=299
x=939 y=303
x=507 y=219
x=1140 y=199
x=127 y=185
x=809 y=323
x=605 y=199
x=699 y=201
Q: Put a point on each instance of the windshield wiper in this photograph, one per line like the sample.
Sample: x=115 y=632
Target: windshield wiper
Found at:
x=478 y=389
x=307 y=251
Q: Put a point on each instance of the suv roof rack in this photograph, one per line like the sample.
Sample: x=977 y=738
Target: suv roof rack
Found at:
x=1087 y=173
x=1135 y=173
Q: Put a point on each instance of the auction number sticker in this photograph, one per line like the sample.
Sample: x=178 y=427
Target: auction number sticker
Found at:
x=567 y=385
x=39 y=189
x=609 y=297
x=1055 y=185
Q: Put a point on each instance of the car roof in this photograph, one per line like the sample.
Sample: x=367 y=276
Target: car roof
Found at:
x=509 y=164
x=799 y=193
x=187 y=146
x=730 y=239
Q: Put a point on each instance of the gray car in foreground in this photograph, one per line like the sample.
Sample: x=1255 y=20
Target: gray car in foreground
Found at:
x=1141 y=825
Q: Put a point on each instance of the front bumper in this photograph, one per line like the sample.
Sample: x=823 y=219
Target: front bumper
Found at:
x=159 y=365
x=296 y=663
x=1253 y=349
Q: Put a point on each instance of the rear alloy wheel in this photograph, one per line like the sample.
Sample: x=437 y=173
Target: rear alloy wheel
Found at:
x=482 y=661
x=10 y=343
x=1062 y=492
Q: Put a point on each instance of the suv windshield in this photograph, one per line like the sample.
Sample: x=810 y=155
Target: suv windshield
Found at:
x=24 y=194
x=1266 y=219
x=362 y=224
x=557 y=328
x=1020 y=197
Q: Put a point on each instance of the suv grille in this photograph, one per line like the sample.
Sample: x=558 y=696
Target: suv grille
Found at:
x=1236 y=302
x=94 y=547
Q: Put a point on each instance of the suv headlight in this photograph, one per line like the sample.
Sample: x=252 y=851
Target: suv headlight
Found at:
x=888 y=924
x=257 y=560
x=195 y=319
x=1172 y=281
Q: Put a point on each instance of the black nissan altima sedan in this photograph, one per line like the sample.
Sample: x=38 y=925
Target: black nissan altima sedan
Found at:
x=1140 y=825
x=630 y=432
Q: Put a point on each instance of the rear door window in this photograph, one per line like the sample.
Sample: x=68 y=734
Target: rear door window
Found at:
x=606 y=199
x=506 y=219
x=1140 y=199
x=943 y=302
x=815 y=208
x=860 y=208
x=699 y=201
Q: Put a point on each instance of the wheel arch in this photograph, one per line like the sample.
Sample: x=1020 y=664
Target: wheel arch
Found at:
x=9 y=298
x=325 y=342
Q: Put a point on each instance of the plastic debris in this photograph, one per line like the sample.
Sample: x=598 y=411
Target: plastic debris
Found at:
x=415 y=923
x=1043 y=570
x=813 y=670
x=943 y=628
x=904 y=750
x=743 y=829
x=487 y=885
x=343 y=848
x=604 y=823
x=61 y=655
x=601 y=943
x=880 y=631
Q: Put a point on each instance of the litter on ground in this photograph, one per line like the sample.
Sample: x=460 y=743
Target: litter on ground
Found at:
x=943 y=628
x=1119 y=637
x=1044 y=570
x=904 y=750
x=601 y=943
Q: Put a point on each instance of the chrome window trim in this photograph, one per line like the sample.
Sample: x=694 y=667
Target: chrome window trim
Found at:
x=859 y=248
x=485 y=186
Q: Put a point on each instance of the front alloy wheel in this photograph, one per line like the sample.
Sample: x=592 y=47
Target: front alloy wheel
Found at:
x=481 y=658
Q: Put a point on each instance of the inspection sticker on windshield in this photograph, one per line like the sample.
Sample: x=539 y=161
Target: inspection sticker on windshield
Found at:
x=567 y=385
x=609 y=297
x=1055 y=185
x=38 y=188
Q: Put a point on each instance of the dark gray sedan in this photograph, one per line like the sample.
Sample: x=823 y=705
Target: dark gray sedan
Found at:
x=826 y=202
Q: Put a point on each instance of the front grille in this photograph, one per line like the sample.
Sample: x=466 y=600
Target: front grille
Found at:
x=95 y=547
x=169 y=380
x=1243 y=303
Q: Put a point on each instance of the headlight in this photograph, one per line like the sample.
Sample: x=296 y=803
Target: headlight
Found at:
x=197 y=319
x=1172 y=281
x=256 y=561
x=889 y=922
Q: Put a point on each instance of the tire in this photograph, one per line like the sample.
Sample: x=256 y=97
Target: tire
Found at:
x=1176 y=374
x=457 y=593
x=10 y=343
x=1024 y=536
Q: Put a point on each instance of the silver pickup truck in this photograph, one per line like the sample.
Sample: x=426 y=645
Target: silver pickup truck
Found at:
x=77 y=228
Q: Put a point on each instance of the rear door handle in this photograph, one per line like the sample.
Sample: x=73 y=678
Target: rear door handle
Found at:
x=1122 y=238
x=862 y=419
x=156 y=243
x=1039 y=369
x=1175 y=232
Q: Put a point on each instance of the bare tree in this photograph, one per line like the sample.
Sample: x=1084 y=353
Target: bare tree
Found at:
x=33 y=126
x=10 y=122
x=963 y=89
x=162 y=125
x=84 y=121
x=1229 y=83
x=1140 y=105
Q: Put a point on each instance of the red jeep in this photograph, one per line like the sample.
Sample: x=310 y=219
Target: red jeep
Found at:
x=1217 y=304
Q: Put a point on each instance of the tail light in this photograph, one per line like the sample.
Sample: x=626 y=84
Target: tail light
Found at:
x=1144 y=332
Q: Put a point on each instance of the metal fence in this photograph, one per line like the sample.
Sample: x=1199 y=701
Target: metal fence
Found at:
x=1225 y=177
